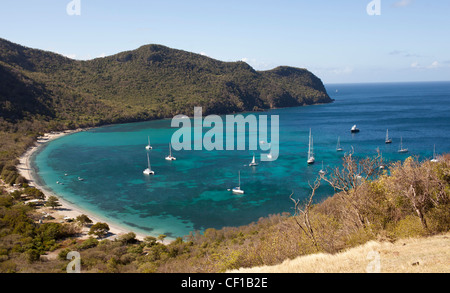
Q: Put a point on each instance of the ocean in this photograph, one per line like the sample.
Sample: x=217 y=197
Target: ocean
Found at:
x=192 y=193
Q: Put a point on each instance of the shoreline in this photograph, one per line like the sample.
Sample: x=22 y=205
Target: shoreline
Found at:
x=66 y=210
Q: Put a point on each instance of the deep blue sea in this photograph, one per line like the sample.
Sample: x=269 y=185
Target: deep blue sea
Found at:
x=191 y=193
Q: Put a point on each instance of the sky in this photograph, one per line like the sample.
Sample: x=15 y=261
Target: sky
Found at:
x=341 y=41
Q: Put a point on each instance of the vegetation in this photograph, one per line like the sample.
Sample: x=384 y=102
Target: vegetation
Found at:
x=42 y=91
x=383 y=207
x=52 y=202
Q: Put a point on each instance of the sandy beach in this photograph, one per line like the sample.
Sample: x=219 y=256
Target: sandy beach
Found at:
x=66 y=210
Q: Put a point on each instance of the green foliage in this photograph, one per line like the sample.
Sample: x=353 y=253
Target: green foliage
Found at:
x=83 y=220
x=99 y=229
x=52 y=202
x=89 y=243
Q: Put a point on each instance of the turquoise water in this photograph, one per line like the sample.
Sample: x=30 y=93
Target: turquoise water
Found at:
x=191 y=193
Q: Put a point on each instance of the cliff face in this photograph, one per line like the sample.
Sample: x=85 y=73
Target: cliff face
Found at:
x=150 y=82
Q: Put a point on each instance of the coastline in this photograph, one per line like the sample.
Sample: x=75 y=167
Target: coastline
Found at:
x=66 y=210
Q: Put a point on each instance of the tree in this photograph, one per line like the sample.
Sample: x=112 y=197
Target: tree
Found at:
x=349 y=179
x=83 y=220
x=301 y=215
x=52 y=202
x=161 y=237
x=99 y=229
x=150 y=241
x=128 y=238
x=420 y=186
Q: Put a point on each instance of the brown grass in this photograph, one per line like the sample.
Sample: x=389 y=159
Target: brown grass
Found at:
x=419 y=255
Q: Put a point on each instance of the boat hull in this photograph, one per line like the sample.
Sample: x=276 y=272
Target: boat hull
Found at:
x=149 y=172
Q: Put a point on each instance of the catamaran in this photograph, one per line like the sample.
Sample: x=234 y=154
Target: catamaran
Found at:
x=388 y=140
x=253 y=163
x=170 y=157
x=149 y=171
x=338 y=146
x=238 y=190
x=149 y=146
x=311 y=158
x=402 y=150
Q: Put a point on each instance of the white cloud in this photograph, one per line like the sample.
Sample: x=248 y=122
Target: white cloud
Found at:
x=433 y=65
x=244 y=60
x=415 y=65
x=203 y=54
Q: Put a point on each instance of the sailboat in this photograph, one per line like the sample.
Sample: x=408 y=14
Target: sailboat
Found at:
x=238 y=190
x=253 y=163
x=354 y=129
x=338 y=146
x=170 y=157
x=148 y=171
x=311 y=159
x=149 y=146
x=402 y=150
x=322 y=171
x=388 y=140
x=434 y=160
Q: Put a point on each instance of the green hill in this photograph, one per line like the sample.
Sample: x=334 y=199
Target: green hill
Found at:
x=151 y=82
x=42 y=91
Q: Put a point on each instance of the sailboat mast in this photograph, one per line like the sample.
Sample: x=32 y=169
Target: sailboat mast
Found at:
x=148 y=161
x=239 y=179
x=309 y=145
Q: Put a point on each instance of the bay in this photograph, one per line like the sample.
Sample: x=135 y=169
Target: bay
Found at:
x=191 y=193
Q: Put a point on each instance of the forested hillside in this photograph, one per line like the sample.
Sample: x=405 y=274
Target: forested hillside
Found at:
x=42 y=91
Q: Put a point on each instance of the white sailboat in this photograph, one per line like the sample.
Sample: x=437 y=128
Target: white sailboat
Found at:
x=388 y=140
x=238 y=190
x=338 y=146
x=402 y=150
x=354 y=129
x=170 y=157
x=253 y=163
x=435 y=159
x=311 y=158
x=148 y=171
x=149 y=146
x=322 y=171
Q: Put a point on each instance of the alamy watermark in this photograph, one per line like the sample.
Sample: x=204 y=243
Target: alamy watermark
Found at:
x=74 y=7
x=75 y=265
x=374 y=265
x=374 y=8
x=190 y=137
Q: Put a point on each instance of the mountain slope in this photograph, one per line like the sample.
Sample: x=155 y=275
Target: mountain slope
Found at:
x=155 y=81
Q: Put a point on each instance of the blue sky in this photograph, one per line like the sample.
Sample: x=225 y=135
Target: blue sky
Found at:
x=337 y=40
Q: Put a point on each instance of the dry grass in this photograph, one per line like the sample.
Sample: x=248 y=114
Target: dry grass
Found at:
x=421 y=255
